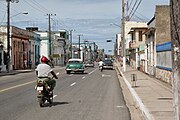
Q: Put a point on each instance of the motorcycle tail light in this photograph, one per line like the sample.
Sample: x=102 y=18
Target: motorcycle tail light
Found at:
x=39 y=92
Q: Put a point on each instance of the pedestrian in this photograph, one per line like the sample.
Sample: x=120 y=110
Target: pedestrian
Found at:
x=25 y=63
x=30 y=63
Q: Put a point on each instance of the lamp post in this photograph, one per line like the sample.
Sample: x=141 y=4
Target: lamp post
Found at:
x=123 y=37
x=79 y=49
x=8 y=31
x=49 y=33
x=24 y=12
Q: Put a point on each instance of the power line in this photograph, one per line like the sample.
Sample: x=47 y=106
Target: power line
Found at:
x=3 y=18
x=135 y=9
x=40 y=10
x=40 y=6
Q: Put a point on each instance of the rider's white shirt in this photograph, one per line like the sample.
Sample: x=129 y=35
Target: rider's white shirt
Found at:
x=43 y=70
x=101 y=63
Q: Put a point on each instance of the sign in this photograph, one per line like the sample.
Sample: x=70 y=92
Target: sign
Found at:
x=56 y=55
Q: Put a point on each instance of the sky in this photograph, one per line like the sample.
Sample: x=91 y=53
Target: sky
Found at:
x=96 y=20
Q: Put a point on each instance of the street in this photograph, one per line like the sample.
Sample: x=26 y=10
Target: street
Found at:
x=93 y=95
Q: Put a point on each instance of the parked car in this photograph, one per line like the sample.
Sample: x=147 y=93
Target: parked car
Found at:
x=74 y=65
x=89 y=63
x=108 y=64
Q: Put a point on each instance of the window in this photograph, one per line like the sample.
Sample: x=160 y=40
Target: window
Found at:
x=133 y=37
x=140 y=35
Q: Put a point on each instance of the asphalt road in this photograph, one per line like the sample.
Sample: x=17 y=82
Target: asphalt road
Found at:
x=93 y=95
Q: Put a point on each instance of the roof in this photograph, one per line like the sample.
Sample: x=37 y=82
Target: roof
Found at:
x=74 y=59
x=136 y=28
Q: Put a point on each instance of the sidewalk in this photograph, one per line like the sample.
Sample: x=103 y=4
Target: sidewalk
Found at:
x=151 y=96
x=14 y=72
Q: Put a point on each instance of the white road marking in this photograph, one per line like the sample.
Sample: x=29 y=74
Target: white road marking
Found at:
x=92 y=71
x=71 y=75
x=103 y=75
x=83 y=77
x=119 y=106
x=73 y=84
x=54 y=96
x=16 y=86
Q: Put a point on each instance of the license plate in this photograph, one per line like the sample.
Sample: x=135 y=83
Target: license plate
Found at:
x=39 y=88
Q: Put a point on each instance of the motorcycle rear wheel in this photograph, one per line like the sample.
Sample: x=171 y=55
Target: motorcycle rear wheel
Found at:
x=51 y=99
x=41 y=102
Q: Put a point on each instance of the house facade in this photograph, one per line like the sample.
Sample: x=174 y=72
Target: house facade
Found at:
x=137 y=45
x=163 y=44
x=19 y=47
x=59 y=46
x=158 y=45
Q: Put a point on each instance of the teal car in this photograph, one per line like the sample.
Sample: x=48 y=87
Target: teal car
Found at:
x=74 y=65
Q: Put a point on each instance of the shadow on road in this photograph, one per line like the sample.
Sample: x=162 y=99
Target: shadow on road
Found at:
x=60 y=103
x=55 y=104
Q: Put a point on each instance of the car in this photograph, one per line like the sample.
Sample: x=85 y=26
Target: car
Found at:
x=74 y=65
x=108 y=64
x=89 y=63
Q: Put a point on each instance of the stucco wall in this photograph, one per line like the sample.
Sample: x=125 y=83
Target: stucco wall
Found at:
x=164 y=75
x=162 y=15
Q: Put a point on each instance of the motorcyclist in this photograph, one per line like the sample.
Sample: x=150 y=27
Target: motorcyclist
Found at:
x=43 y=70
x=101 y=63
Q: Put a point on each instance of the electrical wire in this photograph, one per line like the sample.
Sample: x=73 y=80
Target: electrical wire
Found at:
x=130 y=16
x=3 y=19
x=40 y=6
x=133 y=8
x=130 y=3
x=40 y=10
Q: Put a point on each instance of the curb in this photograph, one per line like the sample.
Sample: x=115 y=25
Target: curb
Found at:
x=144 y=111
x=15 y=72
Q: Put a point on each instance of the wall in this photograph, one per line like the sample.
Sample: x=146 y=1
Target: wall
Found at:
x=162 y=16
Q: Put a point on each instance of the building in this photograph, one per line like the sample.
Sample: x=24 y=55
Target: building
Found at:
x=20 y=47
x=158 y=43
x=133 y=31
x=137 y=45
x=58 y=50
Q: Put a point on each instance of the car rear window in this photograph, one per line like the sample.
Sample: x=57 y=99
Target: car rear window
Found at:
x=72 y=62
x=107 y=61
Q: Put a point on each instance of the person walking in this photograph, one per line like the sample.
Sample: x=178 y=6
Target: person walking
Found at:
x=30 y=63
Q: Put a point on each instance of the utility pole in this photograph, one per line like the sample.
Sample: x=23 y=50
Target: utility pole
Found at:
x=175 y=26
x=123 y=37
x=49 y=33
x=71 y=42
x=8 y=34
x=79 y=49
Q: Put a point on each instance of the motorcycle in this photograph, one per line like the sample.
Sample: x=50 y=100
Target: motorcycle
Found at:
x=101 y=68
x=43 y=91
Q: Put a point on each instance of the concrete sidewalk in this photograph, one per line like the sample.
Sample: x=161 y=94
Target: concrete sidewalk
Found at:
x=151 y=96
x=14 y=72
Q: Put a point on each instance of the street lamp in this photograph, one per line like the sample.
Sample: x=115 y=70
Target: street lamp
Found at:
x=24 y=12
x=115 y=24
x=8 y=31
